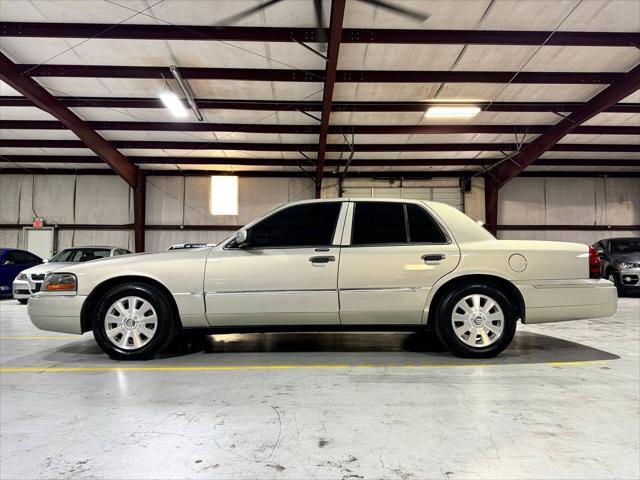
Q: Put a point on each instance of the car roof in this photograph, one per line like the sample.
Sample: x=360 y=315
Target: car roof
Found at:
x=358 y=199
x=106 y=247
x=618 y=238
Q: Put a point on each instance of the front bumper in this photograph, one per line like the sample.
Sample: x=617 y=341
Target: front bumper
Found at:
x=23 y=289
x=56 y=313
x=561 y=300
x=629 y=278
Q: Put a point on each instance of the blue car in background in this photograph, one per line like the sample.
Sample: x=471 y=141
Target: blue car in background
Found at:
x=12 y=262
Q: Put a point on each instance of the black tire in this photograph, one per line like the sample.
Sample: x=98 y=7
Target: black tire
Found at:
x=23 y=301
x=611 y=276
x=445 y=330
x=164 y=331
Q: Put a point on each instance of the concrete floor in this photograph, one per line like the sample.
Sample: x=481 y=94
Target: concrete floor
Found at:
x=561 y=402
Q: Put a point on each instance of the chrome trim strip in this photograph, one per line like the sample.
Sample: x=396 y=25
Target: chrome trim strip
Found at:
x=384 y=289
x=249 y=292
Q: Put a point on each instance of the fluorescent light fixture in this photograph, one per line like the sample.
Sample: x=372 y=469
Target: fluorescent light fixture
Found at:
x=466 y=112
x=224 y=195
x=174 y=104
x=186 y=90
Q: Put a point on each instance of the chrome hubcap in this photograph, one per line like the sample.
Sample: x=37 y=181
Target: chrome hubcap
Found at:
x=130 y=323
x=477 y=320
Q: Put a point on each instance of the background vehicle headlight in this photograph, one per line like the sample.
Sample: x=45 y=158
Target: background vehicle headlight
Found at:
x=21 y=276
x=60 y=282
x=628 y=265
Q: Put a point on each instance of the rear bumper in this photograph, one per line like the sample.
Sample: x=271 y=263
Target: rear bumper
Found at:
x=561 y=300
x=56 y=313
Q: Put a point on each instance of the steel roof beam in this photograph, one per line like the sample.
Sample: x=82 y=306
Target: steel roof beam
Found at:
x=311 y=35
x=280 y=162
x=284 y=105
x=315 y=129
x=42 y=99
x=310 y=147
x=625 y=86
x=341 y=76
x=333 y=50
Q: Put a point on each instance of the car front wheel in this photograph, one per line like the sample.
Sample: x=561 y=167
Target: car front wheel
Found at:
x=23 y=301
x=476 y=321
x=133 y=321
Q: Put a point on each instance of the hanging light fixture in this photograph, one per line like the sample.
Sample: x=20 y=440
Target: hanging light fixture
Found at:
x=450 y=111
x=173 y=104
x=224 y=195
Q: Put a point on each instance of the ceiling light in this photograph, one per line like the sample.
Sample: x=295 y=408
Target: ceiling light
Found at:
x=466 y=112
x=224 y=195
x=186 y=90
x=174 y=104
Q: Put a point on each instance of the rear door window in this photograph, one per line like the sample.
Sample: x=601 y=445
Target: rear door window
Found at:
x=376 y=223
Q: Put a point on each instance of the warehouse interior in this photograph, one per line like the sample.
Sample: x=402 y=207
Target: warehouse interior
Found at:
x=539 y=139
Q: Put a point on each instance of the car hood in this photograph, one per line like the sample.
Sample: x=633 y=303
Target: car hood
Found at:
x=624 y=257
x=137 y=261
x=47 y=267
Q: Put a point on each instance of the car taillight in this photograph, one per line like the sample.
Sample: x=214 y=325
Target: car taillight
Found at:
x=594 y=263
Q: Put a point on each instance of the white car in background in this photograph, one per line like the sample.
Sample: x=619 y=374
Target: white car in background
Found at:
x=332 y=265
x=30 y=280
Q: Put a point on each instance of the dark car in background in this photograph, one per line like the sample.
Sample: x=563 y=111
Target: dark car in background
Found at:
x=620 y=262
x=12 y=262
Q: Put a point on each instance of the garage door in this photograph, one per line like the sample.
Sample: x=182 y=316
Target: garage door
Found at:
x=449 y=195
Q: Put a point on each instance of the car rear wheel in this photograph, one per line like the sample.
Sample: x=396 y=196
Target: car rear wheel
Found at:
x=476 y=320
x=133 y=321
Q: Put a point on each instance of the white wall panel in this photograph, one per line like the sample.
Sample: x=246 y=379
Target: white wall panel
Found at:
x=10 y=237
x=569 y=201
x=101 y=199
x=164 y=200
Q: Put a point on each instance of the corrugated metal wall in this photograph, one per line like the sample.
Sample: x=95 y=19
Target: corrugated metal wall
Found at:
x=257 y=196
x=104 y=200
x=65 y=199
x=569 y=201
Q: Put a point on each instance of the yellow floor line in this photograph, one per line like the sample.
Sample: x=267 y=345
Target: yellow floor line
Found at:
x=196 y=368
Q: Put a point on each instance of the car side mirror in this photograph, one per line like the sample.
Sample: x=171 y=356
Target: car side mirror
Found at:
x=242 y=237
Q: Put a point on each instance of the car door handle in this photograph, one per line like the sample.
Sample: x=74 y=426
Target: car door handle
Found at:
x=322 y=259
x=433 y=259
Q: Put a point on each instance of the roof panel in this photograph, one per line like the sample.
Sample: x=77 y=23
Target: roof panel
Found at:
x=287 y=13
x=183 y=53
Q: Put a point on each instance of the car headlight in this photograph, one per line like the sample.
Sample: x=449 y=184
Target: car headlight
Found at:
x=60 y=282
x=628 y=265
x=21 y=276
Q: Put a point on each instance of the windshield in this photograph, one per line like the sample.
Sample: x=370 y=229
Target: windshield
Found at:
x=73 y=255
x=630 y=245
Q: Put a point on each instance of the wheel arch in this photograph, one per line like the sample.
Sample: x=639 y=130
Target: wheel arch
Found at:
x=500 y=283
x=90 y=304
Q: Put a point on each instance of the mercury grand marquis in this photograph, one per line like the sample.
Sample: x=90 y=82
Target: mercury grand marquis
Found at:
x=332 y=265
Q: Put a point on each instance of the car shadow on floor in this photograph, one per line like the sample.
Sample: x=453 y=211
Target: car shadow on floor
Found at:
x=337 y=348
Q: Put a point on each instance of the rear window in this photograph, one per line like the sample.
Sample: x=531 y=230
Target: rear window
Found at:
x=625 y=246
x=379 y=223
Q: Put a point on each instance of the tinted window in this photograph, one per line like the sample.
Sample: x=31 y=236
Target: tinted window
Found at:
x=625 y=246
x=422 y=227
x=378 y=222
x=17 y=257
x=13 y=258
x=299 y=226
x=80 y=255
